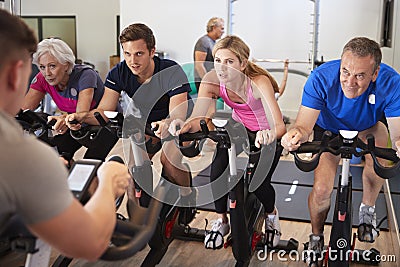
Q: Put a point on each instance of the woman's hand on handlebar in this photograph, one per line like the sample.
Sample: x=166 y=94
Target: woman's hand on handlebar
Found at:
x=178 y=126
x=73 y=122
x=292 y=139
x=60 y=126
x=264 y=137
x=119 y=175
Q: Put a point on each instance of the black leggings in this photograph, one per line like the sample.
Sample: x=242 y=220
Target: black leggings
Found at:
x=265 y=192
x=67 y=146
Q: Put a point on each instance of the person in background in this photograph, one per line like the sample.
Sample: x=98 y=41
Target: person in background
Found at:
x=202 y=54
x=250 y=91
x=74 y=88
x=352 y=93
x=33 y=181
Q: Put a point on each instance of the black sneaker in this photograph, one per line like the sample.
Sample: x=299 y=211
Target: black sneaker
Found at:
x=188 y=210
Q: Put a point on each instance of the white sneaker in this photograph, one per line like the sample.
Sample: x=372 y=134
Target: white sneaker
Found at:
x=215 y=237
x=367 y=231
x=273 y=229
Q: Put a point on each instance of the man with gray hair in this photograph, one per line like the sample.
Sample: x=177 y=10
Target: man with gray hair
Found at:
x=203 y=49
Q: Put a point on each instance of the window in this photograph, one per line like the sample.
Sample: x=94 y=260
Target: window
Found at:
x=63 y=27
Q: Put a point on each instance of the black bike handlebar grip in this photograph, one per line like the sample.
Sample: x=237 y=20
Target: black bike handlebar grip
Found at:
x=117 y=159
x=386 y=153
x=325 y=138
x=34 y=116
x=100 y=119
x=51 y=123
x=204 y=127
x=306 y=165
x=191 y=150
x=309 y=147
x=370 y=142
x=150 y=130
x=74 y=121
x=155 y=128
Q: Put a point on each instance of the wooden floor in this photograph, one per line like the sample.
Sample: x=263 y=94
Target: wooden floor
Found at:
x=193 y=254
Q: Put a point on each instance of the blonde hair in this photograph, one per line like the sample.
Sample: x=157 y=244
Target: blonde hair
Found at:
x=242 y=51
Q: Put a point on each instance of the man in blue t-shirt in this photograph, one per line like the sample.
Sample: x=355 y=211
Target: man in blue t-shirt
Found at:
x=160 y=93
x=348 y=94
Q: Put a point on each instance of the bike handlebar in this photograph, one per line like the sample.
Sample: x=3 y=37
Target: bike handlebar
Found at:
x=138 y=233
x=222 y=136
x=346 y=148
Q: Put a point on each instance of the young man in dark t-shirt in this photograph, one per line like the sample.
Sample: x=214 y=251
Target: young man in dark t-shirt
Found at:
x=159 y=91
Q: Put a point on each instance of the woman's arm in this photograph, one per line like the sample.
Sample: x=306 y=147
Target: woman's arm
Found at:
x=85 y=99
x=32 y=99
x=204 y=107
x=263 y=90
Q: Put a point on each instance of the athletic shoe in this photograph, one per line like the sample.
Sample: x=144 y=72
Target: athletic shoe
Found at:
x=215 y=237
x=367 y=231
x=273 y=229
x=314 y=253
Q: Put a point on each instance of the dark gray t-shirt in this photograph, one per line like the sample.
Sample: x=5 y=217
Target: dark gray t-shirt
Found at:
x=205 y=44
x=33 y=180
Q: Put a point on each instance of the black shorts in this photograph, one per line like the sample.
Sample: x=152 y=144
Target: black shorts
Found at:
x=318 y=133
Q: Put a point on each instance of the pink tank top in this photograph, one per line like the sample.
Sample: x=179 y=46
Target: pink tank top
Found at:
x=251 y=114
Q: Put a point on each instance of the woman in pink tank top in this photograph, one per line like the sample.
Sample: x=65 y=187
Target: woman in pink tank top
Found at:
x=250 y=91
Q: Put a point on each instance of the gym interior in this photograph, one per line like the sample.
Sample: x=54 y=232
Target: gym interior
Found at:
x=304 y=33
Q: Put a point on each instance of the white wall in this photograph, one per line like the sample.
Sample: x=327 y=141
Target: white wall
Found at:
x=96 y=25
x=272 y=28
x=176 y=24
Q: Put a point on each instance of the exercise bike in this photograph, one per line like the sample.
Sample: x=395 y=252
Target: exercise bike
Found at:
x=341 y=250
x=129 y=237
x=35 y=123
x=102 y=136
x=170 y=222
x=246 y=211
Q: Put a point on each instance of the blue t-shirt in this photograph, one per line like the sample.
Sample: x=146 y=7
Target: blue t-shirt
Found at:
x=152 y=98
x=323 y=92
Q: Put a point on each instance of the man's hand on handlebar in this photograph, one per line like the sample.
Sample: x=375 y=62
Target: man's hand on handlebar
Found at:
x=397 y=144
x=160 y=128
x=292 y=139
x=60 y=126
x=118 y=173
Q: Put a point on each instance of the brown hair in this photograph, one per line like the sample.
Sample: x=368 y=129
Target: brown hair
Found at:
x=363 y=47
x=138 y=31
x=242 y=51
x=17 y=40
